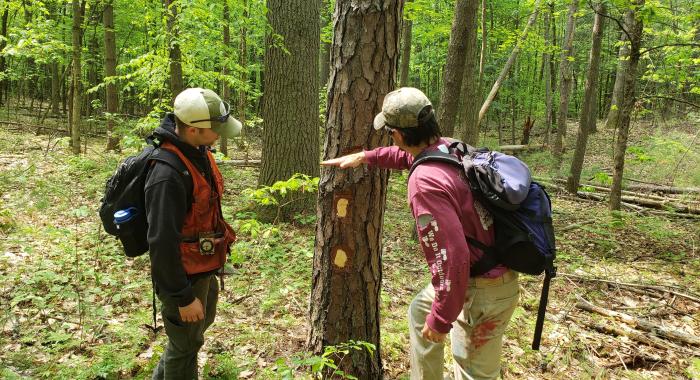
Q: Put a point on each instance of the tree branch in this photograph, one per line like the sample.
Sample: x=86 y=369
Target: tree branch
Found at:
x=673 y=99
x=618 y=22
x=663 y=46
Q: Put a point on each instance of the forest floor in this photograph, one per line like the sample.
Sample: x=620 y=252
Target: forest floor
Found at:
x=75 y=308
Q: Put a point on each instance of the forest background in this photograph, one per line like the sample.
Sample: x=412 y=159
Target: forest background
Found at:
x=601 y=99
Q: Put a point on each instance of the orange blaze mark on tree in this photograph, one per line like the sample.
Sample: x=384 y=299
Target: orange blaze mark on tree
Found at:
x=482 y=333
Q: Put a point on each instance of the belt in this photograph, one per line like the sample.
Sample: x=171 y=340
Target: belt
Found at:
x=483 y=282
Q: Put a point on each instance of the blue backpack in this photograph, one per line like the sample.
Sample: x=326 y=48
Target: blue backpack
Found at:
x=521 y=210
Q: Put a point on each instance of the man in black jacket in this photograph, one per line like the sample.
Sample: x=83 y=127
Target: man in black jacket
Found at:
x=187 y=235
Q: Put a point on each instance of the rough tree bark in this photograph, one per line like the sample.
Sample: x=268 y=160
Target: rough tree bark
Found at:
x=347 y=269
x=565 y=74
x=174 y=53
x=111 y=95
x=511 y=60
x=588 y=116
x=290 y=102
x=76 y=40
x=634 y=26
x=468 y=129
x=454 y=70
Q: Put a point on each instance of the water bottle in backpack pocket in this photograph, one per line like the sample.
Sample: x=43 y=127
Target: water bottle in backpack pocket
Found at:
x=127 y=221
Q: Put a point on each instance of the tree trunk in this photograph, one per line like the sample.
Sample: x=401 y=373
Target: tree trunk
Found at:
x=111 y=94
x=613 y=119
x=290 y=101
x=468 y=129
x=588 y=115
x=75 y=83
x=511 y=60
x=634 y=27
x=482 y=55
x=347 y=270
x=55 y=87
x=174 y=53
x=242 y=90
x=226 y=89
x=3 y=43
x=405 y=50
x=565 y=74
x=454 y=69
x=547 y=73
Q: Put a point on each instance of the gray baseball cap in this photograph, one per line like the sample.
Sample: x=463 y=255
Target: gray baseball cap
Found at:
x=203 y=108
x=401 y=109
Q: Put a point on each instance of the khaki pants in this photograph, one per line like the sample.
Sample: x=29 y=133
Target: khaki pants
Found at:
x=476 y=336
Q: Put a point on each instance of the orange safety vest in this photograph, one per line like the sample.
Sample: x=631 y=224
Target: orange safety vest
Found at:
x=204 y=223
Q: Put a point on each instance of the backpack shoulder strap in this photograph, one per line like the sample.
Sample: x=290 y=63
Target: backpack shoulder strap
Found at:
x=434 y=155
x=171 y=159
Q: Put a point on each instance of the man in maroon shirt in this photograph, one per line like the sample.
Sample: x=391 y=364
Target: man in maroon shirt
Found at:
x=474 y=310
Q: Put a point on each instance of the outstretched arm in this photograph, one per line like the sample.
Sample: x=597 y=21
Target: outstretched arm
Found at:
x=383 y=157
x=348 y=161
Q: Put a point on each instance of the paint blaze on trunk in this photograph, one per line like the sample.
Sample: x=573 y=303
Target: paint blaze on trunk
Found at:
x=347 y=271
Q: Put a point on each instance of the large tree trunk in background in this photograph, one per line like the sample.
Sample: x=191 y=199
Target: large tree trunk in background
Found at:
x=245 y=76
x=468 y=129
x=511 y=60
x=3 y=43
x=174 y=53
x=634 y=27
x=565 y=74
x=226 y=89
x=290 y=101
x=406 y=30
x=588 y=115
x=75 y=82
x=111 y=94
x=454 y=70
x=345 y=298
x=613 y=119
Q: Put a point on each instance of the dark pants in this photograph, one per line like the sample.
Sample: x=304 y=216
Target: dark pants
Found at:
x=179 y=361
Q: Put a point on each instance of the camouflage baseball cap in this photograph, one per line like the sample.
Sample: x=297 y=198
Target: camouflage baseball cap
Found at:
x=203 y=108
x=401 y=109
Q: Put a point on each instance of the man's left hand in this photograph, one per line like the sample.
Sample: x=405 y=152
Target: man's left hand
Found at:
x=432 y=335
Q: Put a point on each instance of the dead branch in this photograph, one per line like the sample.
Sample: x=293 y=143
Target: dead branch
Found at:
x=659 y=331
x=659 y=288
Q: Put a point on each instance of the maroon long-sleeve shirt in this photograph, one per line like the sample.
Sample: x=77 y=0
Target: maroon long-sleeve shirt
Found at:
x=445 y=213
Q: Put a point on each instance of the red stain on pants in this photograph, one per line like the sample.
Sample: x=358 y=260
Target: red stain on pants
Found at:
x=482 y=333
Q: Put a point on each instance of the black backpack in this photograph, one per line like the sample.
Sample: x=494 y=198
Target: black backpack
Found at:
x=124 y=193
x=521 y=211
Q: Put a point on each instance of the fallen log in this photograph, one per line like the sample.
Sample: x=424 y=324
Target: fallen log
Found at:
x=622 y=330
x=660 y=331
x=636 y=187
x=241 y=163
x=519 y=148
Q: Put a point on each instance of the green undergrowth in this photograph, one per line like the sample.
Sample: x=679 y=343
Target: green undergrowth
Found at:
x=76 y=308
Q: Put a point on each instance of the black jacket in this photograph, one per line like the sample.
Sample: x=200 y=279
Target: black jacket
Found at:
x=168 y=199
